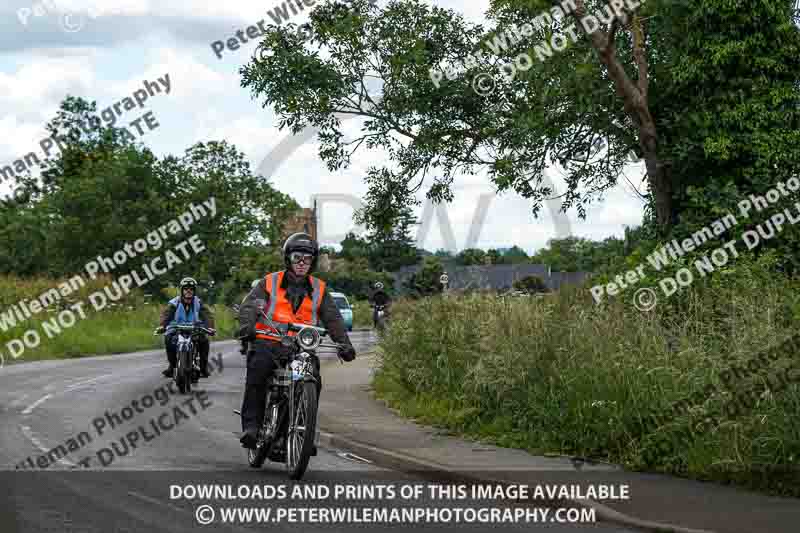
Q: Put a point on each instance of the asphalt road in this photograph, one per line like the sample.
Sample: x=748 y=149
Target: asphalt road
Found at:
x=103 y=444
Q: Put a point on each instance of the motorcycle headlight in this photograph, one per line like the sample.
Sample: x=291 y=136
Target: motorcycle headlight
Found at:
x=308 y=338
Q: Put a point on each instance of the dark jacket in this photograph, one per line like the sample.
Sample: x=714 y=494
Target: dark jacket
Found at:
x=380 y=298
x=168 y=314
x=328 y=312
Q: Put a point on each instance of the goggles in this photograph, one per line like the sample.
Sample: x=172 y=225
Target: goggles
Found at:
x=298 y=257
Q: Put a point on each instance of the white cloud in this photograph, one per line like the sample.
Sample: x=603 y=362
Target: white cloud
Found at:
x=134 y=40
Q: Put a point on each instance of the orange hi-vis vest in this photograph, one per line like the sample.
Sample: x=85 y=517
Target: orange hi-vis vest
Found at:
x=280 y=308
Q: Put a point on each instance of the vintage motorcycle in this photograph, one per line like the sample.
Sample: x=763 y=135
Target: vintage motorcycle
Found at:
x=288 y=432
x=187 y=370
x=380 y=318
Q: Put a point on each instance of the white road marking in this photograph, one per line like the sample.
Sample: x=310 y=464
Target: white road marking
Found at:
x=84 y=383
x=353 y=457
x=27 y=432
x=148 y=499
x=28 y=410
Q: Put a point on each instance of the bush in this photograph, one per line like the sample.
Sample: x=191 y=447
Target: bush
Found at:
x=531 y=285
x=122 y=326
x=426 y=281
x=565 y=375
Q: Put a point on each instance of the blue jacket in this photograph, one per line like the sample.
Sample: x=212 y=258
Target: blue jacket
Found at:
x=174 y=313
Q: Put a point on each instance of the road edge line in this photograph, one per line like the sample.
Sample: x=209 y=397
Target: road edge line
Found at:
x=406 y=463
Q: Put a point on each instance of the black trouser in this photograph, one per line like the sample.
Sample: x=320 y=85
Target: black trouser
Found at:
x=203 y=348
x=262 y=360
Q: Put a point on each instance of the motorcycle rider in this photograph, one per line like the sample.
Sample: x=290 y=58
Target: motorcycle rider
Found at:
x=291 y=295
x=186 y=308
x=378 y=298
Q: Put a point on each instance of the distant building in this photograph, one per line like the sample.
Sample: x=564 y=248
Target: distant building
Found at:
x=495 y=277
x=303 y=221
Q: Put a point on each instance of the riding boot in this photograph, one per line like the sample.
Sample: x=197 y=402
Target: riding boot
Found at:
x=253 y=406
x=204 y=361
x=172 y=357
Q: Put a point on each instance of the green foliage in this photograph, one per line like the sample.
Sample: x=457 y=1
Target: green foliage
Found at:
x=512 y=256
x=388 y=252
x=425 y=282
x=122 y=326
x=102 y=192
x=476 y=256
x=722 y=91
x=388 y=220
x=531 y=285
x=471 y=256
x=577 y=254
x=355 y=278
x=587 y=379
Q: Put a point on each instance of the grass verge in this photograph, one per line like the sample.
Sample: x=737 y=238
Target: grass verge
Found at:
x=650 y=391
x=121 y=326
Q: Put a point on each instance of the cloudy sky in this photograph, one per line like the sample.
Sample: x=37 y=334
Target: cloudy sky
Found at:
x=47 y=53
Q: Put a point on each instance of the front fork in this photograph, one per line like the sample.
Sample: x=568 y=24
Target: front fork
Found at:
x=307 y=375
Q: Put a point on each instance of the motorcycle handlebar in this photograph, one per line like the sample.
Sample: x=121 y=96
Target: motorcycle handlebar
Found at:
x=195 y=328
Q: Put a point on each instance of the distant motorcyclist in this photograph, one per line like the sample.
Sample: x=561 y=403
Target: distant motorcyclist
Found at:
x=379 y=298
x=291 y=295
x=186 y=308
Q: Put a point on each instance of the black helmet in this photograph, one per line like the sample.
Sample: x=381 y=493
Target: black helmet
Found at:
x=379 y=286
x=188 y=283
x=301 y=242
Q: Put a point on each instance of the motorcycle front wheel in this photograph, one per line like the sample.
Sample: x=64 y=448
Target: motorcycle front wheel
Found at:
x=300 y=441
x=184 y=373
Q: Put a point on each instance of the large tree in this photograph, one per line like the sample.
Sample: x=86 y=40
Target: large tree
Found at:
x=103 y=191
x=652 y=80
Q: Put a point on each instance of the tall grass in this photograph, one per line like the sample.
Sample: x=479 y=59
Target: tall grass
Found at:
x=123 y=326
x=362 y=313
x=563 y=375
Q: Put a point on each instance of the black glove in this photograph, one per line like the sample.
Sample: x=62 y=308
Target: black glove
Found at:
x=348 y=353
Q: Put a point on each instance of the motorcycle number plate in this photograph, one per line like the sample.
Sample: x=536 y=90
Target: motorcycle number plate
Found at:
x=297 y=370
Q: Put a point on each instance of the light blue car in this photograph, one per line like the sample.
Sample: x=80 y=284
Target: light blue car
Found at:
x=344 y=309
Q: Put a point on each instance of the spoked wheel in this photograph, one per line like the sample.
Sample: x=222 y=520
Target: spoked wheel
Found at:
x=300 y=440
x=194 y=372
x=184 y=373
